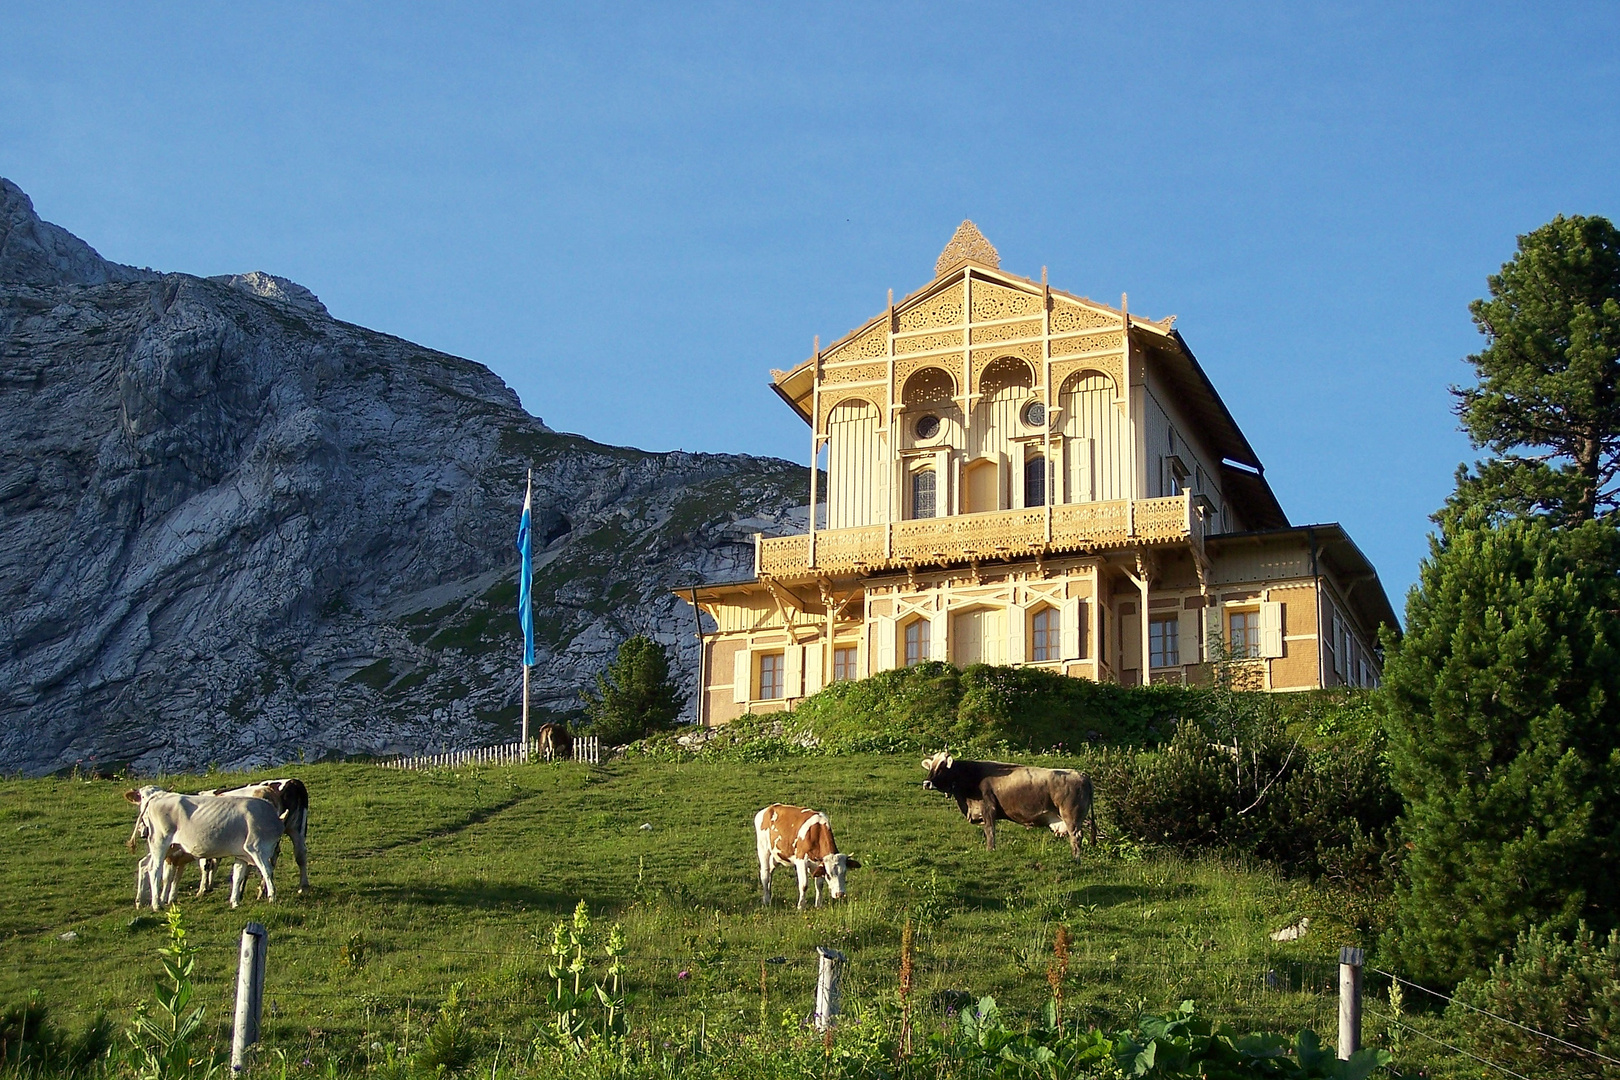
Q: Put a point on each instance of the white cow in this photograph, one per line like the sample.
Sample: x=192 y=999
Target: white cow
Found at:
x=178 y=859
x=206 y=827
x=291 y=798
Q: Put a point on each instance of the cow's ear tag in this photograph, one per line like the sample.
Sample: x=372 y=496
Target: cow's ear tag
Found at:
x=133 y=796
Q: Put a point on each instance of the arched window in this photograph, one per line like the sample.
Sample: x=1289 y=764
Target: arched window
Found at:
x=1035 y=482
x=1043 y=635
x=923 y=487
x=917 y=642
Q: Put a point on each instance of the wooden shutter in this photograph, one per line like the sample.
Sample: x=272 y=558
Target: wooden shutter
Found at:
x=883 y=628
x=742 y=675
x=1017 y=623
x=1191 y=635
x=1130 y=641
x=1271 y=629
x=942 y=484
x=793 y=671
x=813 y=660
x=1085 y=487
x=938 y=632
x=1070 y=616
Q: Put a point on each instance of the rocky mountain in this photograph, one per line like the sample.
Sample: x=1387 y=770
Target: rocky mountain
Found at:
x=235 y=530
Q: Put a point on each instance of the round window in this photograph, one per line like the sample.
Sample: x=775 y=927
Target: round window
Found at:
x=927 y=426
x=1035 y=414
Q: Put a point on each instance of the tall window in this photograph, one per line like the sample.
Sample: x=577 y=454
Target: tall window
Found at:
x=1044 y=635
x=922 y=493
x=1243 y=636
x=770 y=676
x=843 y=665
x=917 y=642
x=1164 y=642
x=1035 y=482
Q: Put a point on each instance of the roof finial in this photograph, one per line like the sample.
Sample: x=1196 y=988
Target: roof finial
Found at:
x=967 y=243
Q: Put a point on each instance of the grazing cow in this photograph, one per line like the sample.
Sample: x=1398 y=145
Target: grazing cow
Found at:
x=206 y=827
x=1060 y=799
x=288 y=795
x=800 y=837
x=555 y=742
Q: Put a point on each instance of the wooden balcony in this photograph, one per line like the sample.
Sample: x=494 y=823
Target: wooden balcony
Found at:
x=1075 y=528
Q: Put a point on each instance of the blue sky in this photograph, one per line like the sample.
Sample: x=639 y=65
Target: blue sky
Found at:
x=633 y=213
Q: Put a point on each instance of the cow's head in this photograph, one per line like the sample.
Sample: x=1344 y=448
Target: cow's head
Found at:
x=834 y=867
x=936 y=767
x=139 y=795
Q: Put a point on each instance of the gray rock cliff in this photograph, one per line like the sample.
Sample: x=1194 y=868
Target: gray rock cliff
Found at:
x=235 y=530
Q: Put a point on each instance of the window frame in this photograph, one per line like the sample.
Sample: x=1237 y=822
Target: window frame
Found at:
x=923 y=629
x=915 y=493
x=1030 y=464
x=1251 y=626
x=845 y=660
x=1046 y=635
x=776 y=662
x=1168 y=647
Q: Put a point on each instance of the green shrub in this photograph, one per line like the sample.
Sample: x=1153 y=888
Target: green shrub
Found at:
x=1568 y=986
x=450 y=1046
x=30 y=1041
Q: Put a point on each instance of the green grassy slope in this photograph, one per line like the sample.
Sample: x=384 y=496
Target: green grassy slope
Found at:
x=459 y=876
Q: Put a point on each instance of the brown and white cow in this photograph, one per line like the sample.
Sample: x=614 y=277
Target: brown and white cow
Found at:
x=206 y=827
x=1060 y=799
x=555 y=742
x=802 y=838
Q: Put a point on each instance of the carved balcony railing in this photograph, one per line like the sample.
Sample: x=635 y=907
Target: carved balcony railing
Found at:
x=1003 y=534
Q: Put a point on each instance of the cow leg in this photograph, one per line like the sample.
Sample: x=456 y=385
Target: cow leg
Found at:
x=157 y=867
x=804 y=879
x=302 y=856
x=143 y=880
x=238 y=873
x=265 y=863
x=989 y=828
x=207 y=866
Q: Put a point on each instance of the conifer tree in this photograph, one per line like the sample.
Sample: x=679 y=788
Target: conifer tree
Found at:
x=1503 y=707
x=1547 y=406
x=635 y=694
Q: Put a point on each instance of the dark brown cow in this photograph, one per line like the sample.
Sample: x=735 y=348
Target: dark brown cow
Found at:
x=555 y=742
x=1060 y=799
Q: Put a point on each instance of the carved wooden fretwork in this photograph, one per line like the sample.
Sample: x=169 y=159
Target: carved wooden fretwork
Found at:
x=850 y=373
x=944 y=308
x=1085 y=343
x=967 y=243
x=916 y=343
x=1111 y=365
x=985 y=335
x=950 y=364
x=831 y=399
x=992 y=301
x=1029 y=351
x=1001 y=373
x=1067 y=318
x=869 y=346
x=932 y=385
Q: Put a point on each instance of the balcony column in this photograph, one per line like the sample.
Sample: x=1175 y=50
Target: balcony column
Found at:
x=893 y=459
x=1140 y=580
x=815 y=446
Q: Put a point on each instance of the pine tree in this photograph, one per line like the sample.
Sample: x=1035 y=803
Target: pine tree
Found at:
x=1503 y=707
x=1547 y=406
x=635 y=694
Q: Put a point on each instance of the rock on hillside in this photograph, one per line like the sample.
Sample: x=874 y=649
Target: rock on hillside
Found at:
x=235 y=530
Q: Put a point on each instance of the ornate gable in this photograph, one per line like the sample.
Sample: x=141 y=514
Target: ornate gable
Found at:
x=967 y=245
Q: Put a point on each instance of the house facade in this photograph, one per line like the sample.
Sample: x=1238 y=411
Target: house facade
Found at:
x=1005 y=473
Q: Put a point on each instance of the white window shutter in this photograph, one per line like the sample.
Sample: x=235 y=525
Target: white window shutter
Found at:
x=1017 y=621
x=1084 y=484
x=813 y=660
x=1070 y=615
x=938 y=648
x=1271 y=629
x=863 y=657
x=1130 y=641
x=1015 y=477
x=1191 y=635
x=943 y=507
x=883 y=628
x=793 y=671
x=742 y=675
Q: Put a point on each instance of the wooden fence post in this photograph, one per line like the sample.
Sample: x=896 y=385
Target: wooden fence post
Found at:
x=1349 y=1001
x=249 y=993
x=829 y=968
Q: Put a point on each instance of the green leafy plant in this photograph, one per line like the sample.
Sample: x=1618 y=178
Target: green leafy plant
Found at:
x=450 y=1046
x=161 y=1033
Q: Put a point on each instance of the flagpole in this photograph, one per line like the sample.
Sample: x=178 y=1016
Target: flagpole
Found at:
x=528 y=493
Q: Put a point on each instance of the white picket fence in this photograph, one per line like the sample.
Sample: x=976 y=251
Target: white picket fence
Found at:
x=587 y=748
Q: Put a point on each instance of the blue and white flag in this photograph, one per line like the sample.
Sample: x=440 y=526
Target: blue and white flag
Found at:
x=526 y=577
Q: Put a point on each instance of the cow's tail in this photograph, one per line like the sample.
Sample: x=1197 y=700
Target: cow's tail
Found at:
x=1091 y=807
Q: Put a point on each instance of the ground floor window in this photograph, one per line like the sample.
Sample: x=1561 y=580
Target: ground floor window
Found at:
x=1043 y=635
x=917 y=642
x=1243 y=634
x=1164 y=642
x=844 y=665
x=770 y=676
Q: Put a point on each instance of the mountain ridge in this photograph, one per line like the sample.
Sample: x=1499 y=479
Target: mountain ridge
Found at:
x=235 y=530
